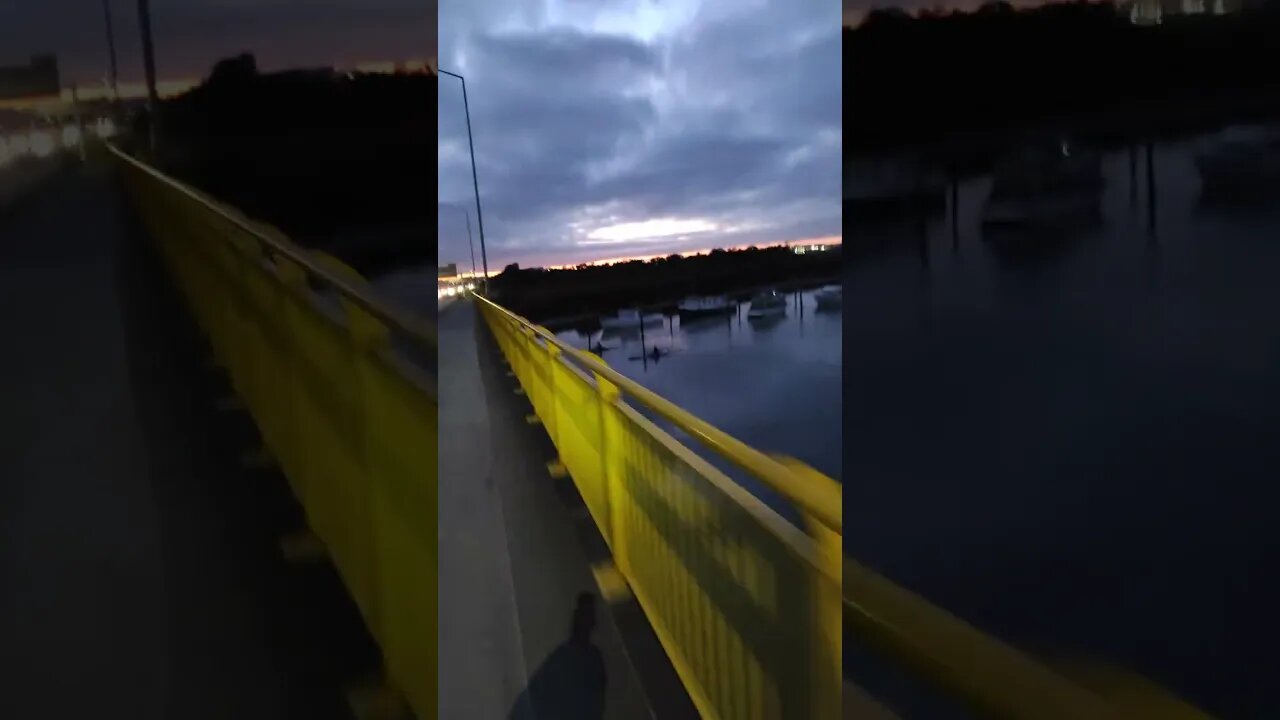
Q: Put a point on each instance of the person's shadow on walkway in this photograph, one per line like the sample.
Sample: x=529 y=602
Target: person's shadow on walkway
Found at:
x=570 y=683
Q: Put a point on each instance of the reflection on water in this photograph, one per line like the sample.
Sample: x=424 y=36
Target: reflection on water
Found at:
x=773 y=383
x=1075 y=446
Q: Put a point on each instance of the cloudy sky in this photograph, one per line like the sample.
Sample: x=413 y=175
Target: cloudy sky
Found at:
x=190 y=35
x=609 y=129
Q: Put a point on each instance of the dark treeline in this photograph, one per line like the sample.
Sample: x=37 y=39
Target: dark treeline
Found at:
x=339 y=162
x=960 y=79
x=540 y=294
x=14 y=120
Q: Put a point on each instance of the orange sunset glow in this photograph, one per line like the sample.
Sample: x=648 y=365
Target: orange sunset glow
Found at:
x=824 y=241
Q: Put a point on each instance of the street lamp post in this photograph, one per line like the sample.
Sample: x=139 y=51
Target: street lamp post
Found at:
x=484 y=257
x=111 y=49
x=472 y=244
x=149 y=66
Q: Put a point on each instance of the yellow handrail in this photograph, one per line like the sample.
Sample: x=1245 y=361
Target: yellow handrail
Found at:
x=988 y=676
x=746 y=605
x=352 y=426
x=421 y=331
x=820 y=500
x=992 y=678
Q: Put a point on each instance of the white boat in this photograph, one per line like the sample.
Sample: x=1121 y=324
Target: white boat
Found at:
x=1046 y=188
x=768 y=304
x=880 y=189
x=629 y=319
x=829 y=298
x=1242 y=164
x=700 y=308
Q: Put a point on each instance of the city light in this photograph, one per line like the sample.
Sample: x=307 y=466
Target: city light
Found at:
x=802 y=249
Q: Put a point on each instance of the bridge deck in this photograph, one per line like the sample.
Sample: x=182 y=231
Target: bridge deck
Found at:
x=140 y=571
x=512 y=556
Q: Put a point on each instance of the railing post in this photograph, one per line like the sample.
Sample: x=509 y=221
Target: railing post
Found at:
x=366 y=336
x=528 y=370
x=552 y=421
x=826 y=606
x=296 y=459
x=828 y=621
x=607 y=396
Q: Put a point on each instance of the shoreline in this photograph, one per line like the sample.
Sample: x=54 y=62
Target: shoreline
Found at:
x=573 y=322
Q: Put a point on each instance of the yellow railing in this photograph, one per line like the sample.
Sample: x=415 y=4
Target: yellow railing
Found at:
x=351 y=424
x=989 y=677
x=746 y=605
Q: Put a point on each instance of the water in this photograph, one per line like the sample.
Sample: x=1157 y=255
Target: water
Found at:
x=1078 y=452
x=774 y=385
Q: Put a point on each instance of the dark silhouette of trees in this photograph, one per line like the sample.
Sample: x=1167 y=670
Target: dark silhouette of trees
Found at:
x=241 y=69
x=340 y=162
x=594 y=289
x=1080 y=66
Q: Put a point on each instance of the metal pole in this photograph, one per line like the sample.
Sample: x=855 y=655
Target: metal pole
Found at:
x=955 y=210
x=472 y=244
x=111 y=49
x=1133 y=175
x=75 y=104
x=1151 y=189
x=149 y=65
x=475 y=181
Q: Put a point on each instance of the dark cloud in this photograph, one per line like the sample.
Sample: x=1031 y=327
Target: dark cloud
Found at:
x=190 y=35
x=592 y=115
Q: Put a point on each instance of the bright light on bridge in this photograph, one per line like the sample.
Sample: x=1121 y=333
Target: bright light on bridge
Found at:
x=70 y=136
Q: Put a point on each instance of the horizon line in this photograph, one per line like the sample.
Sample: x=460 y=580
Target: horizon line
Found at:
x=826 y=240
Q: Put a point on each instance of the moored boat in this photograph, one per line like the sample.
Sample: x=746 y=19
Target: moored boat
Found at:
x=703 y=308
x=829 y=298
x=1242 y=165
x=628 y=319
x=767 y=304
x=1045 y=188
x=878 y=190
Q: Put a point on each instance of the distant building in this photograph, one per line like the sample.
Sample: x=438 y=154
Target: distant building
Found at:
x=1154 y=12
x=35 y=80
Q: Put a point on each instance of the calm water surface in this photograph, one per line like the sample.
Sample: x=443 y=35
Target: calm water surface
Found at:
x=1080 y=451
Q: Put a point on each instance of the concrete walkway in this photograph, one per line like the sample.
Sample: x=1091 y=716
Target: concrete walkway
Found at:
x=21 y=178
x=140 y=572
x=482 y=661
x=511 y=561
